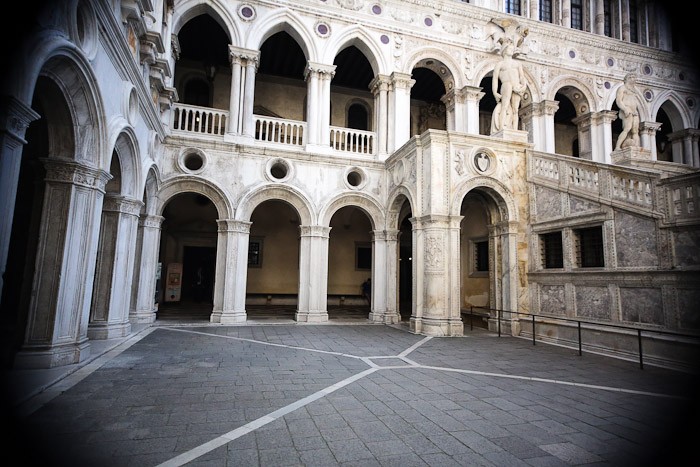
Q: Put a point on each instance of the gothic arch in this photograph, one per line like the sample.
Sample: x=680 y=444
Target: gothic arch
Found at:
x=576 y=90
x=357 y=36
x=125 y=144
x=283 y=20
x=359 y=200
x=452 y=75
x=192 y=184
x=150 y=190
x=290 y=195
x=675 y=109
x=189 y=9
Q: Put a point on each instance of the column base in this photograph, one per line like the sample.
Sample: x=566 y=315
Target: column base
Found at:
x=101 y=331
x=143 y=317
x=628 y=156
x=385 y=317
x=52 y=357
x=228 y=317
x=436 y=327
x=320 y=316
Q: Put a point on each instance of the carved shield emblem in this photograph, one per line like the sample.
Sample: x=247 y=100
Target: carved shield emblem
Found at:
x=482 y=162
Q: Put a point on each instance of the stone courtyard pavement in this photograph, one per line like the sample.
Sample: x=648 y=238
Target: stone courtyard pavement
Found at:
x=354 y=395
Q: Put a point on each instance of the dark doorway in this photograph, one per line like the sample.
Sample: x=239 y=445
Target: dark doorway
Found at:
x=406 y=269
x=198 y=272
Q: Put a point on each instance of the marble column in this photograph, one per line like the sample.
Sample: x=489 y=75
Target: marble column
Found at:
x=15 y=117
x=400 y=102
x=566 y=13
x=625 y=20
x=313 y=274
x=380 y=90
x=109 y=312
x=324 y=131
x=472 y=96
x=231 y=272
x=235 y=112
x=583 y=123
x=535 y=9
x=312 y=76
x=66 y=254
x=318 y=105
x=601 y=135
x=434 y=241
x=143 y=310
x=647 y=134
x=251 y=67
x=448 y=100
x=598 y=17
x=384 y=264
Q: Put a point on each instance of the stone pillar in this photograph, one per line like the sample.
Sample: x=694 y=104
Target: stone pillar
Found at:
x=535 y=9
x=15 y=117
x=109 y=313
x=380 y=89
x=472 y=96
x=583 y=123
x=251 y=67
x=400 y=102
x=311 y=76
x=539 y=118
x=695 y=138
x=231 y=272
x=237 y=58
x=448 y=100
x=509 y=271
x=326 y=75
x=601 y=135
x=313 y=274
x=432 y=248
x=143 y=310
x=625 y=20
x=66 y=254
x=566 y=13
x=647 y=133
x=599 y=18
x=684 y=146
x=384 y=264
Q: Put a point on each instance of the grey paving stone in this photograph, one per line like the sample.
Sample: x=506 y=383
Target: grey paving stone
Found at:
x=571 y=453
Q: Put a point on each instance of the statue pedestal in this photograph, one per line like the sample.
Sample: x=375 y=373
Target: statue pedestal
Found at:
x=630 y=156
x=511 y=135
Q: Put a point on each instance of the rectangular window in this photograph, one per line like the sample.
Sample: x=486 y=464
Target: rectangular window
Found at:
x=363 y=256
x=589 y=243
x=481 y=256
x=255 y=245
x=552 y=250
x=546 y=10
x=513 y=7
x=577 y=14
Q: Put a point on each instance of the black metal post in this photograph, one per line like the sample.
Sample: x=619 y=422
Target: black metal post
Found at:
x=579 y=338
x=471 y=318
x=639 y=338
x=498 y=314
x=533 y=329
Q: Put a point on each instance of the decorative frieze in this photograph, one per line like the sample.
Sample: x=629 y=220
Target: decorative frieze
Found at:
x=63 y=171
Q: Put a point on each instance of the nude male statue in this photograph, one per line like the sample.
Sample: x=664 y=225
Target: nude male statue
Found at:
x=626 y=99
x=510 y=73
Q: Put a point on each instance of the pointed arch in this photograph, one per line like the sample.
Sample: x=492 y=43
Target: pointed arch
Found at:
x=585 y=98
x=395 y=204
x=189 y=9
x=498 y=192
x=357 y=36
x=289 y=22
x=675 y=109
x=424 y=54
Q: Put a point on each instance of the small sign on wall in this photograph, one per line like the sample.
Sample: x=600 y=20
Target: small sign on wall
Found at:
x=173 y=284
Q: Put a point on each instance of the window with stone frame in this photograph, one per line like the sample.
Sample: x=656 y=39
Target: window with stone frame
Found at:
x=589 y=247
x=255 y=251
x=479 y=253
x=552 y=250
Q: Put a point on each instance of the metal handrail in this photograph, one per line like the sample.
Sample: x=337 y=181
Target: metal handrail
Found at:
x=579 y=322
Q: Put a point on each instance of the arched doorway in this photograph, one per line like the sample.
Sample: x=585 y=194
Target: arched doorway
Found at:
x=187 y=257
x=405 y=267
x=475 y=258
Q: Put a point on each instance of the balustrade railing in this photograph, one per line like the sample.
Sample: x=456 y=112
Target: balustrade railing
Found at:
x=280 y=131
x=201 y=120
x=354 y=141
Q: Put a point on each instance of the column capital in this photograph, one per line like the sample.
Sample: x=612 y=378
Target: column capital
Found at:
x=651 y=127
x=402 y=80
x=240 y=55
x=15 y=117
x=379 y=83
x=315 y=68
x=122 y=204
x=314 y=231
x=584 y=119
x=681 y=134
x=150 y=221
x=69 y=171
x=604 y=116
x=233 y=225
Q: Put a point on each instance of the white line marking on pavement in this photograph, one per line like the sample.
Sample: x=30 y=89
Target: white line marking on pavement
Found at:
x=209 y=446
x=414 y=346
